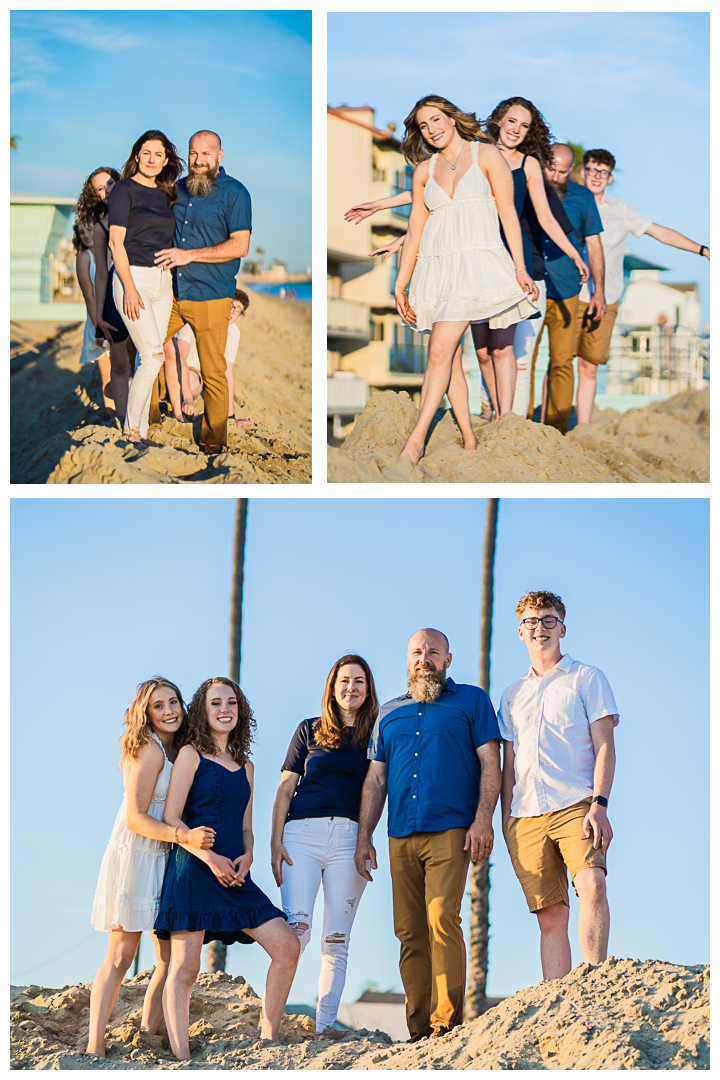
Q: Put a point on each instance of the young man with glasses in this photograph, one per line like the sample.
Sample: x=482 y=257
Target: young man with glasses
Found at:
x=619 y=219
x=558 y=762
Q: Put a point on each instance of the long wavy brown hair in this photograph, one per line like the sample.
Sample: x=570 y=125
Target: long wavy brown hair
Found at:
x=138 y=729
x=329 y=729
x=414 y=145
x=90 y=207
x=170 y=171
x=537 y=142
x=201 y=737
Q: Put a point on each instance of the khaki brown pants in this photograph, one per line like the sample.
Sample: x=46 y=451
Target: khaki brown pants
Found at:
x=209 y=321
x=428 y=877
x=561 y=321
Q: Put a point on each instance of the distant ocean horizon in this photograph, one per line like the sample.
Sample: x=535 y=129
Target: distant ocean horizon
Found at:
x=303 y=289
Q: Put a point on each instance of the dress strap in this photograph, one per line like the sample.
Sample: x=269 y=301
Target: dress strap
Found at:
x=431 y=170
x=474 y=151
x=160 y=745
x=522 y=163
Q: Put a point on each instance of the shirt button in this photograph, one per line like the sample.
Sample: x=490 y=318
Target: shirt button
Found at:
x=415 y=755
x=414 y=796
x=417 y=732
x=414 y=776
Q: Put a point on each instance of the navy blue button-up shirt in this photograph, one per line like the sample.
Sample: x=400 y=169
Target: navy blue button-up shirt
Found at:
x=433 y=771
x=561 y=274
x=204 y=221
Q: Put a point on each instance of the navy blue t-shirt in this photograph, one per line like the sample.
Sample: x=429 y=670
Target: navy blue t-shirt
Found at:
x=146 y=215
x=331 y=781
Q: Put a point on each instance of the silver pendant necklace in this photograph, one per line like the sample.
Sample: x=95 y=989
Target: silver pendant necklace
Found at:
x=454 y=167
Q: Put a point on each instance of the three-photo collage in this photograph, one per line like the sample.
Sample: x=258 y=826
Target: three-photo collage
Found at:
x=376 y=774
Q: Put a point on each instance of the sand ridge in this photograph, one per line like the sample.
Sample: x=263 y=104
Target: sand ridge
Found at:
x=667 y=442
x=58 y=436
x=623 y=1014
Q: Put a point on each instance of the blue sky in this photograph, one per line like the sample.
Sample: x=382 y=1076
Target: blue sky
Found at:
x=86 y=84
x=636 y=84
x=109 y=591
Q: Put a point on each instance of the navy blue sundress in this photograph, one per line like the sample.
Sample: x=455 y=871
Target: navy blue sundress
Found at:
x=192 y=897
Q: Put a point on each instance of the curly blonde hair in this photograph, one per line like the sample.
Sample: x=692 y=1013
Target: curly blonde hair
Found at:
x=329 y=729
x=200 y=736
x=138 y=729
x=536 y=601
x=414 y=145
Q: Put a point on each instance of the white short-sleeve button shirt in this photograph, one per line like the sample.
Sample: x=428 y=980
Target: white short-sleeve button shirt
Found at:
x=547 y=718
x=618 y=218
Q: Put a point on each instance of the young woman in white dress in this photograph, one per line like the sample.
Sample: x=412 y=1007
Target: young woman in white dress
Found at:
x=127 y=897
x=461 y=271
x=524 y=139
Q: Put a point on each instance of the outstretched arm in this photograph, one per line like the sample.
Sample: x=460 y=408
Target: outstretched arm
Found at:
x=374 y=793
x=675 y=239
x=367 y=209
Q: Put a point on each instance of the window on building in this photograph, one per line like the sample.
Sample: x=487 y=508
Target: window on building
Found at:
x=378 y=174
x=377 y=330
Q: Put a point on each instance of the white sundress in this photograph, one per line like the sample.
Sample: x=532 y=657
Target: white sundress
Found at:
x=133 y=867
x=91 y=351
x=464 y=271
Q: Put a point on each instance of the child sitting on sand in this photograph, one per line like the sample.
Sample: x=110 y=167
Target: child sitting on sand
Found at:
x=183 y=376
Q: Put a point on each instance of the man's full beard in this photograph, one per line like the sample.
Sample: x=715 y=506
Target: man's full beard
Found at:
x=201 y=183
x=426 y=685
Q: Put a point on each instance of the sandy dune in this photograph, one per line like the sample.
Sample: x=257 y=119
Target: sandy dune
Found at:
x=660 y=444
x=59 y=438
x=624 y=1014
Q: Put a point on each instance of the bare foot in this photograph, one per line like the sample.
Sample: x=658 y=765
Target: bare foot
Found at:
x=486 y=416
x=412 y=451
x=470 y=443
x=241 y=421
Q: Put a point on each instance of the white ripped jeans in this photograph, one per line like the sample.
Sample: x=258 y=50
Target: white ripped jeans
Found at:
x=322 y=851
x=148 y=333
x=526 y=335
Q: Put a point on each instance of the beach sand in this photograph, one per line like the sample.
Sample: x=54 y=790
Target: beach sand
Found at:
x=623 y=1014
x=659 y=444
x=59 y=438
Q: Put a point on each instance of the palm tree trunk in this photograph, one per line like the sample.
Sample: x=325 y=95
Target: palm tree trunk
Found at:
x=216 y=955
x=480 y=874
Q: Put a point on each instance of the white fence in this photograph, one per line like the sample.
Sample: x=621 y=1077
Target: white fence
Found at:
x=657 y=361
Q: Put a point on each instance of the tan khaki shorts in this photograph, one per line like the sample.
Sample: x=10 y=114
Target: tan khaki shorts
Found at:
x=593 y=338
x=543 y=847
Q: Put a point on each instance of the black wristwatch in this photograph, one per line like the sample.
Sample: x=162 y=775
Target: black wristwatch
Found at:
x=600 y=799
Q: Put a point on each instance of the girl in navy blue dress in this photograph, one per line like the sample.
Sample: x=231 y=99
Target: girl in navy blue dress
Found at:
x=210 y=896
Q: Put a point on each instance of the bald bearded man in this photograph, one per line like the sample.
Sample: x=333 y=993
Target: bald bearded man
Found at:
x=213 y=221
x=435 y=753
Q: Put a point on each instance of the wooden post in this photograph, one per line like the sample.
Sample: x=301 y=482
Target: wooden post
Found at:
x=475 y=1001
x=216 y=955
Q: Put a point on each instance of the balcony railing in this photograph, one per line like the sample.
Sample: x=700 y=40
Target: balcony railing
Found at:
x=408 y=359
x=348 y=318
x=662 y=360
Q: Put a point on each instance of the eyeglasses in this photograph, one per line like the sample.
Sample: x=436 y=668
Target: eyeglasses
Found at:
x=602 y=173
x=548 y=621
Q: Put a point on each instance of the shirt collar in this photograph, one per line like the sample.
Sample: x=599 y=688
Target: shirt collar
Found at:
x=564 y=663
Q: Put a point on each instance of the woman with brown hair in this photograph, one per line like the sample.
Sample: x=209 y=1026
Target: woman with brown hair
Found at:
x=315 y=822
x=142 y=224
x=92 y=209
x=128 y=889
x=210 y=895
